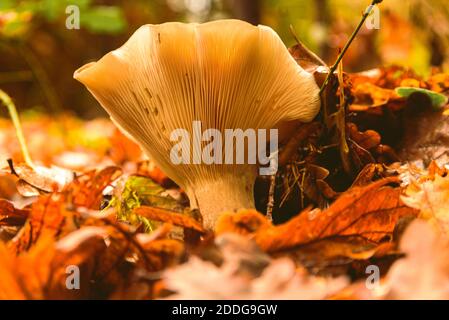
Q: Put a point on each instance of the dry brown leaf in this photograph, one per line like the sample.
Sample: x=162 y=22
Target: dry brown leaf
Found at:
x=40 y=179
x=163 y=253
x=431 y=198
x=367 y=174
x=369 y=212
x=199 y=279
x=175 y=218
x=11 y=216
x=87 y=190
x=369 y=96
x=123 y=149
x=48 y=217
x=243 y=222
x=424 y=272
x=41 y=273
x=439 y=82
x=150 y=170
x=367 y=139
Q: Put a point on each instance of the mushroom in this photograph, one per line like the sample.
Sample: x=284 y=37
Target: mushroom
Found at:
x=226 y=74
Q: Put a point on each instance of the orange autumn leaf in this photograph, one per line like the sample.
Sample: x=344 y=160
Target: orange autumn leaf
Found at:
x=150 y=170
x=38 y=179
x=369 y=212
x=48 y=217
x=123 y=149
x=367 y=139
x=41 y=272
x=243 y=222
x=369 y=95
x=175 y=218
x=11 y=216
x=163 y=253
x=87 y=190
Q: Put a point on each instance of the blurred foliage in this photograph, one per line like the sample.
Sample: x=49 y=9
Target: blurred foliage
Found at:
x=21 y=15
x=38 y=54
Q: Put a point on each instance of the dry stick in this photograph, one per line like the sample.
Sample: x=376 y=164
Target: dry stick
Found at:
x=16 y=122
x=270 y=203
x=346 y=47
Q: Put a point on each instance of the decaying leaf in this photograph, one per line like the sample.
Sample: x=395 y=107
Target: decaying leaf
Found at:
x=431 y=198
x=369 y=212
x=424 y=272
x=11 y=216
x=280 y=279
x=172 y=217
x=37 y=180
x=243 y=222
x=41 y=273
x=87 y=190
x=48 y=217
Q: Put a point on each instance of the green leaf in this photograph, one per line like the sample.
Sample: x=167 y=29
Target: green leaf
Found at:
x=140 y=191
x=79 y=3
x=51 y=9
x=103 y=19
x=438 y=99
x=7 y=4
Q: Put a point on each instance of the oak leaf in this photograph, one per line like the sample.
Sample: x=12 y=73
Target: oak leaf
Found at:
x=369 y=212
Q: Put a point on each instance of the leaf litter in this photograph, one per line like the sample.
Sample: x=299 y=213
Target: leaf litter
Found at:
x=345 y=198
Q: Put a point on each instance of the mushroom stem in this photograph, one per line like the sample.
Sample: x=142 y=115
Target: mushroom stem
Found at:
x=224 y=194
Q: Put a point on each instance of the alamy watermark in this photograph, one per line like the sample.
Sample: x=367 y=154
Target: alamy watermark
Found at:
x=72 y=281
x=208 y=147
x=72 y=22
x=373 y=280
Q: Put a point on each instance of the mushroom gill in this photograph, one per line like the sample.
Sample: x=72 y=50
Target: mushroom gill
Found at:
x=226 y=74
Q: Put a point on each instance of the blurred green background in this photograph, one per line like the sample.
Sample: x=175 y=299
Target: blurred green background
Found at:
x=38 y=54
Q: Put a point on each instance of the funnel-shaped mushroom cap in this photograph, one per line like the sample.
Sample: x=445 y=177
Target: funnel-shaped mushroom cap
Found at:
x=226 y=74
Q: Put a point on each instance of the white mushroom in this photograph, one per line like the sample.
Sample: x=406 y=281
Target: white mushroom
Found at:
x=226 y=74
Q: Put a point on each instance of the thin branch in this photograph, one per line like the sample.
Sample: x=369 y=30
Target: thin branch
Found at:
x=346 y=47
x=270 y=203
x=6 y=100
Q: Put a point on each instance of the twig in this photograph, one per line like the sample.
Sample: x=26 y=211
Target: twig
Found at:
x=341 y=122
x=270 y=203
x=346 y=47
x=6 y=100
x=296 y=140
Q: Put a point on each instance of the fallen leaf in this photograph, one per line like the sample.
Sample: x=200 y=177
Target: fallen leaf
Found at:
x=87 y=190
x=431 y=199
x=48 y=217
x=438 y=100
x=243 y=222
x=11 y=216
x=424 y=272
x=368 y=212
x=280 y=279
x=42 y=179
x=175 y=218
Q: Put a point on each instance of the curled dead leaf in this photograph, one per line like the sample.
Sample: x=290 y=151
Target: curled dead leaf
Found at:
x=168 y=216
